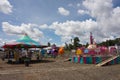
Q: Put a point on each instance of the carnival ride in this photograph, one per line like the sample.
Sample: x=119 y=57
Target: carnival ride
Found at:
x=19 y=50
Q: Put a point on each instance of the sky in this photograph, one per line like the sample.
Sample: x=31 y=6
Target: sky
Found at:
x=59 y=21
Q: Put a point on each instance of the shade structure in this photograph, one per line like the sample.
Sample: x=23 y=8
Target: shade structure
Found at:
x=24 y=42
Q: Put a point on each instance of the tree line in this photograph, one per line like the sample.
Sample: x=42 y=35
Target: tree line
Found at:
x=75 y=43
x=110 y=42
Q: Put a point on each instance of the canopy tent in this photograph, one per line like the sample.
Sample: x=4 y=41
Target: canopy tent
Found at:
x=24 y=42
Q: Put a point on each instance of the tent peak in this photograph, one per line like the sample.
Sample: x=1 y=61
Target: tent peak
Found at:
x=25 y=34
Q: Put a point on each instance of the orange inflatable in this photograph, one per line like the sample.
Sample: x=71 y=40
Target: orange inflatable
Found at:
x=61 y=50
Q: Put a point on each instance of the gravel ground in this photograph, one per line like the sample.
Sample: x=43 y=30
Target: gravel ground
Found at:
x=58 y=69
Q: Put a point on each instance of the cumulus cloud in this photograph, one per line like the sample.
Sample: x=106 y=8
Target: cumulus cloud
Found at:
x=5 y=7
x=99 y=8
x=31 y=29
x=104 y=26
x=82 y=12
x=70 y=29
x=63 y=11
x=106 y=17
x=44 y=26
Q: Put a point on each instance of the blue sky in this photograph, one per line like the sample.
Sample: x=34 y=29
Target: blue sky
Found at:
x=59 y=21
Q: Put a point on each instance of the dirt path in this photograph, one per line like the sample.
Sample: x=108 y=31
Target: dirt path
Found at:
x=57 y=69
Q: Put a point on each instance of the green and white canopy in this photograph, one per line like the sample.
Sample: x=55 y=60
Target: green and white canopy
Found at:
x=24 y=42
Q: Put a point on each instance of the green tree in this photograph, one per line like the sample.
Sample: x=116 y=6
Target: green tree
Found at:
x=66 y=46
x=110 y=42
x=86 y=45
x=71 y=46
x=49 y=44
x=76 y=42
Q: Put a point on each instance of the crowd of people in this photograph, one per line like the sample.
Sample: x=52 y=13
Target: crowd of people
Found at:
x=19 y=55
x=53 y=52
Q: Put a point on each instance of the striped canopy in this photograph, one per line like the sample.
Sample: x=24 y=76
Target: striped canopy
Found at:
x=24 y=42
x=27 y=41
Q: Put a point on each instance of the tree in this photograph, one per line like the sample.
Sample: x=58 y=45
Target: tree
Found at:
x=76 y=42
x=49 y=44
x=70 y=46
x=66 y=46
x=86 y=45
x=110 y=42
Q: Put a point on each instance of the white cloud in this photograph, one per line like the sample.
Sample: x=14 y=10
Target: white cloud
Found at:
x=31 y=29
x=63 y=11
x=99 y=8
x=106 y=23
x=5 y=7
x=82 y=12
x=106 y=17
x=105 y=26
x=8 y=28
x=70 y=29
x=44 y=26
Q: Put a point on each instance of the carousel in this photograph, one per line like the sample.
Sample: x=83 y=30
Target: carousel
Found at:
x=18 y=51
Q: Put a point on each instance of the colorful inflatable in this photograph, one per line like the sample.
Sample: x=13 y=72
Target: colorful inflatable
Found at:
x=79 y=52
x=61 y=50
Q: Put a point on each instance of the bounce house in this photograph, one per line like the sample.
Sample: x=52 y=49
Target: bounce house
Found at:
x=94 y=54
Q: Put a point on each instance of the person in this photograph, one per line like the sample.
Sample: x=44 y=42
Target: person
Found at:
x=16 y=56
x=48 y=52
x=37 y=56
x=26 y=58
x=54 y=53
x=42 y=53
